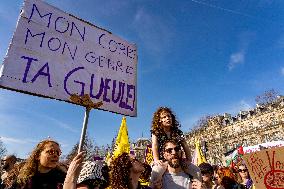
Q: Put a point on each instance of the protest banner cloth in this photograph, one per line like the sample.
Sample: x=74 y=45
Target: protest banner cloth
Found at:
x=54 y=54
x=198 y=156
x=266 y=168
x=249 y=149
x=148 y=157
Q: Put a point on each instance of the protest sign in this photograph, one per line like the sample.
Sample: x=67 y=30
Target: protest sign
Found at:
x=266 y=168
x=55 y=55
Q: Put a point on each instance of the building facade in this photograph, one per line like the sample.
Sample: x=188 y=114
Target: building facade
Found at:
x=222 y=134
x=139 y=148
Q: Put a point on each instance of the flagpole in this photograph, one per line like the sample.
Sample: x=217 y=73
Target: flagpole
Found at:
x=84 y=128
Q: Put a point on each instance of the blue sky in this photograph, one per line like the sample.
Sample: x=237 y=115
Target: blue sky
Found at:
x=196 y=56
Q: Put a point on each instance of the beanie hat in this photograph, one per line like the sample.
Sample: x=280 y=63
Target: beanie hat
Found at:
x=91 y=170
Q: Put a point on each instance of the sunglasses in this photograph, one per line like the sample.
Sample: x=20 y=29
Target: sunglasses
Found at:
x=52 y=152
x=242 y=170
x=169 y=150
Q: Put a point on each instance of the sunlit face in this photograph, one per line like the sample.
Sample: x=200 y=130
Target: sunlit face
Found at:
x=206 y=176
x=243 y=171
x=165 y=119
x=49 y=157
x=218 y=179
x=137 y=166
x=6 y=163
x=172 y=153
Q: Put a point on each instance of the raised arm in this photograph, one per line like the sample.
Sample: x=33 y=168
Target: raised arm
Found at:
x=186 y=150
x=74 y=171
x=155 y=148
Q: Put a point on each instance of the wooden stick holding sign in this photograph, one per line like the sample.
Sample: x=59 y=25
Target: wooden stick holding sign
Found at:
x=86 y=101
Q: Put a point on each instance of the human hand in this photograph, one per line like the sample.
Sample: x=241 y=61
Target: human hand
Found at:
x=156 y=184
x=75 y=168
x=159 y=162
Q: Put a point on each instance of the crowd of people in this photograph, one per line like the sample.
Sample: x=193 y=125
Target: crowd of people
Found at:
x=172 y=167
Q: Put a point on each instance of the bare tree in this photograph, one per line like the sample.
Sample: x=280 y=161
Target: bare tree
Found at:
x=202 y=122
x=88 y=147
x=267 y=97
x=3 y=149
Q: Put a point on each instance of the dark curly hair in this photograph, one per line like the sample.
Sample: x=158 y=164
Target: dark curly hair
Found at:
x=120 y=172
x=206 y=168
x=156 y=125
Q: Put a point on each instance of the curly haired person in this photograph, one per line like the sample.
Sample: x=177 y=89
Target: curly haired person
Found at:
x=165 y=126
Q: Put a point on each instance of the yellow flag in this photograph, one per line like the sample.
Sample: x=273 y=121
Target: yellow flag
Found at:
x=122 y=142
x=199 y=155
x=149 y=155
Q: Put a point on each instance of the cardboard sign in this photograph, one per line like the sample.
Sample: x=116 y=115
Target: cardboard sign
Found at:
x=54 y=54
x=266 y=168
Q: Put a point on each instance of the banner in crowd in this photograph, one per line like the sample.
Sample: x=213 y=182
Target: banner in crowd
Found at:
x=149 y=154
x=54 y=54
x=249 y=149
x=198 y=156
x=235 y=158
x=266 y=168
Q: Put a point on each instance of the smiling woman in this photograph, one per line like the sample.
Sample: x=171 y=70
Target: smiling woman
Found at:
x=41 y=169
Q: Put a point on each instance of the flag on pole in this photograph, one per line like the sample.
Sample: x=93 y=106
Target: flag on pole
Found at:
x=149 y=155
x=108 y=157
x=122 y=142
x=198 y=155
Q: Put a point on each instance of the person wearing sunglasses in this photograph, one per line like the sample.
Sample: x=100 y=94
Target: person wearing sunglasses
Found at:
x=165 y=126
x=174 y=176
x=41 y=169
x=245 y=177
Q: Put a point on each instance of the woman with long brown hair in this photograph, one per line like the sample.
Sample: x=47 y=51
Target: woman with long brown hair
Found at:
x=41 y=169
